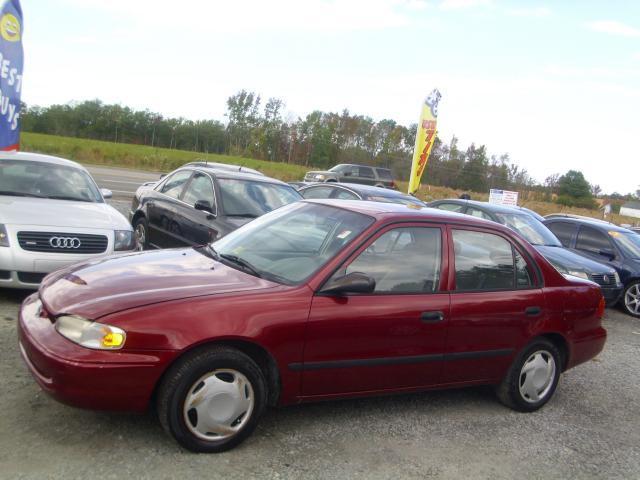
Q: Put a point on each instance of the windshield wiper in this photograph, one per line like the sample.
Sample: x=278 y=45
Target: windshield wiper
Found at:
x=20 y=194
x=245 y=215
x=64 y=197
x=246 y=266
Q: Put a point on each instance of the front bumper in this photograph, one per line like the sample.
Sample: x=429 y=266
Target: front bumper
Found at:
x=81 y=377
x=612 y=293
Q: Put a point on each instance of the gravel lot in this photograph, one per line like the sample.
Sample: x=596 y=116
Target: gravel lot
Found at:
x=589 y=430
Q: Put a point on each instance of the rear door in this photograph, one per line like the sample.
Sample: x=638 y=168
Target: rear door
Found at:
x=390 y=339
x=496 y=296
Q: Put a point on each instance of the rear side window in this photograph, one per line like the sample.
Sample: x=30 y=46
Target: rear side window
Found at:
x=344 y=194
x=564 y=231
x=384 y=174
x=317 y=192
x=484 y=261
x=450 y=207
x=474 y=212
x=592 y=240
x=366 y=172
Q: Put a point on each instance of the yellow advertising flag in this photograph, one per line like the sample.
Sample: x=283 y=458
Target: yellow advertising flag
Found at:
x=425 y=136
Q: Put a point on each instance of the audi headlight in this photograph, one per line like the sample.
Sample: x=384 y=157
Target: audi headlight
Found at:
x=90 y=334
x=123 y=240
x=4 y=236
x=579 y=274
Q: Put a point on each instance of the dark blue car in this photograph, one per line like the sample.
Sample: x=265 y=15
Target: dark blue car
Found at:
x=608 y=243
x=534 y=231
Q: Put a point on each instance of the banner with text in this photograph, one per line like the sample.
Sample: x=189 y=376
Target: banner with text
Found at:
x=11 y=59
x=503 y=197
x=425 y=136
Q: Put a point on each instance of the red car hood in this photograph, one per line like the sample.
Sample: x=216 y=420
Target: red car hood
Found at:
x=100 y=287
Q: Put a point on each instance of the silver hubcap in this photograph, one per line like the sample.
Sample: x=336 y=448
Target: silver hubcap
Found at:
x=218 y=405
x=536 y=376
x=141 y=236
x=632 y=299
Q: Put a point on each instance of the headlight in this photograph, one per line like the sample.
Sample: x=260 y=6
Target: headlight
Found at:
x=4 y=236
x=90 y=334
x=320 y=177
x=123 y=240
x=579 y=274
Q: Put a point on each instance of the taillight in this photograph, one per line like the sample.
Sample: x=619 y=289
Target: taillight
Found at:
x=601 y=305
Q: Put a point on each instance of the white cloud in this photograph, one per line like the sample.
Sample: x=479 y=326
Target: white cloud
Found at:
x=530 y=12
x=461 y=4
x=613 y=27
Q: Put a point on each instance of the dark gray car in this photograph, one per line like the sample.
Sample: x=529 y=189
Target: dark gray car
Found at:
x=545 y=242
x=351 y=173
x=350 y=191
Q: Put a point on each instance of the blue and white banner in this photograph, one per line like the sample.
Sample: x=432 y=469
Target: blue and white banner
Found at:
x=11 y=60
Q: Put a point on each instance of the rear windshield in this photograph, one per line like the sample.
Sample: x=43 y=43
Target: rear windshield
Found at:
x=248 y=198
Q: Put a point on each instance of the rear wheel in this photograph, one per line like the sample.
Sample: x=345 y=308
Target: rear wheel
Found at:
x=532 y=378
x=211 y=400
x=631 y=299
x=141 y=230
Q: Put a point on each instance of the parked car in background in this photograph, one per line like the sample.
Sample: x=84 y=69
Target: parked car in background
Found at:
x=604 y=242
x=350 y=191
x=52 y=214
x=298 y=185
x=313 y=301
x=361 y=174
x=544 y=240
x=197 y=204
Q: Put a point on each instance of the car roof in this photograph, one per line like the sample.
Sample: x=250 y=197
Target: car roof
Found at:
x=361 y=189
x=491 y=207
x=595 y=223
x=231 y=174
x=223 y=166
x=360 y=165
x=38 y=157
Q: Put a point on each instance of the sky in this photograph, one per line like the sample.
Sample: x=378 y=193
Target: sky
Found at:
x=556 y=85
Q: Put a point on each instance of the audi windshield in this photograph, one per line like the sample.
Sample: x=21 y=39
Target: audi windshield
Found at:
x=26 y=178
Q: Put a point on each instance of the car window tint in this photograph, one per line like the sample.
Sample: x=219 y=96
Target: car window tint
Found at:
x=200 y=189
x=384 y=174
x=450 y=207
x=592 y=240
x=474 y=212
x=524 y=275
x=344 y=194
x=564 y=231
x=483 y=261
x=175 y=183
x=317 y=192
x=403 y=260
x=248 y=198
x=366 y=172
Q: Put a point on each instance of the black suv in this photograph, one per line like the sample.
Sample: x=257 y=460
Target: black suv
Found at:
x=363 y=174
x=608 y=243
x=197 y=204
x=543 y=240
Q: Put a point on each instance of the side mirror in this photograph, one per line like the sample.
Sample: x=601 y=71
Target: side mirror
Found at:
x=355 y=282
x=106 y=193
x=607 y=253
x=203 y=205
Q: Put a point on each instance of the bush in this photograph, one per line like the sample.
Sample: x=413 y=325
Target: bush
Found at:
x=580 y=202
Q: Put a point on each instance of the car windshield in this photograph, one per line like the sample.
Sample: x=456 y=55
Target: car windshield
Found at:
x=25 y=178
x=402 y=200
x=531 y=229
x=248 y=198
x=291 y=244
x=629 y=243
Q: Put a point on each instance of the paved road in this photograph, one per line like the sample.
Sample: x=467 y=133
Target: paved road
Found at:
x=589 y=430
x=121 y=181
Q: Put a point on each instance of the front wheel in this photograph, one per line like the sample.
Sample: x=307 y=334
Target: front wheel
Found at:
x=211 y=400
x=141 y=231
x=631 y=299
x=532 y=378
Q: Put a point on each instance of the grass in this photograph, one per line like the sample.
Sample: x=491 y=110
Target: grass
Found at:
x=143 y=157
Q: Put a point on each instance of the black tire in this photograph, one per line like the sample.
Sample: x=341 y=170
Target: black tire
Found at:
x=141 y=223
x=180 y=381
x=509 y=392
x=626 y=301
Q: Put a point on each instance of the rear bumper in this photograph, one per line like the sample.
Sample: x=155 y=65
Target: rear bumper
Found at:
x=85 y=378
x=587 y=346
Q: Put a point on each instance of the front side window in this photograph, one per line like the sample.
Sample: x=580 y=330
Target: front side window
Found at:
x=250 y=198
x=292 y=243
x=26 y=178
x=484 y=261
x=175 y=184
x=592 y=240
x=402 y=260
x=200 y=189
x=564 y=231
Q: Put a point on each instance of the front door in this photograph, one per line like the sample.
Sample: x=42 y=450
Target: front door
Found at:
x=164 y=227
x=392 y=338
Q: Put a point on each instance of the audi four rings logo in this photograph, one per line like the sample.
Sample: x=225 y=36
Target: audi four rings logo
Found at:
x=64 y=242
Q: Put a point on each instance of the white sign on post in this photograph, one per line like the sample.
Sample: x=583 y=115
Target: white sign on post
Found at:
x=503 y=197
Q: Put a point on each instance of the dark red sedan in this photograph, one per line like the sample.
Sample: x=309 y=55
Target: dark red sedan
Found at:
x=316 y=300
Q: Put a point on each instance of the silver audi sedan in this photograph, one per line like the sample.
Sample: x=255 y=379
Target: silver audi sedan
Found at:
x=52 y=214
